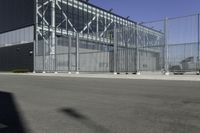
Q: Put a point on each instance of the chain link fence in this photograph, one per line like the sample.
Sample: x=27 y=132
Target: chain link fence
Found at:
x=76 y=36
x=181 y=43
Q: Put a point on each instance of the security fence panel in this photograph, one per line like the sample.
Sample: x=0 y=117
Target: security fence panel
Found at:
x=95 y=57
x=126 y=47
x=179 y=46
x=131 y=48
x=62 y=51
x=151 y=46
x=182 y=40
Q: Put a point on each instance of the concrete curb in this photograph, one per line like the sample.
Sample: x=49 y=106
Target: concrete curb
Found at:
x=112 y=76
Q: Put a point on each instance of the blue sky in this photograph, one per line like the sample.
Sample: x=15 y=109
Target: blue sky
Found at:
x=147 y=10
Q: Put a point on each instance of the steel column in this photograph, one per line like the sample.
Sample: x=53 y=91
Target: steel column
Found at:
x=115 y=50
x=53 y=34
x=198 y=57
x=97 y=26
x=126 y=47
x=137 y=51
x=69 y=55
x=77 y=53
x=36 y=36
x=43 y=42
x=166 y=52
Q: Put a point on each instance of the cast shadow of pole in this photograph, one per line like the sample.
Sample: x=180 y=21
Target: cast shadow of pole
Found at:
x=85 y=120
x=10 y=119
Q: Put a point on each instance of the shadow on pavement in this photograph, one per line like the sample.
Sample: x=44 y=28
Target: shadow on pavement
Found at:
x=10 y=120
x=85 y=120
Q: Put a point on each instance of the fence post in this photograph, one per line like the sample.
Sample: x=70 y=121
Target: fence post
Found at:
x=77 y=53
x=115 y=50
x=55 y=56
x=137 y=52
x=198 y=58
x=35 y=36
x=43 y=55
x=43 y=42
x=166 y=48
x=69 y=55
x=53 y=35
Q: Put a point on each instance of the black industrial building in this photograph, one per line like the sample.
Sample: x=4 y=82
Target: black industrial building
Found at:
x=16 y=34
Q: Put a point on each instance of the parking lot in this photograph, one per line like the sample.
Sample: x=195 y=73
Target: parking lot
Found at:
x=46 y=104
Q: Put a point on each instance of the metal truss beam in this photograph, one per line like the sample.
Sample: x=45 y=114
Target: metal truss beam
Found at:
x=42 y=36
x=60 y=23
x=108 y=17
x=41 y=15
x=88 y=24
x=71 y=33
x=105 y=29
x=45 y=3
x=43 y=19
x=66 y=18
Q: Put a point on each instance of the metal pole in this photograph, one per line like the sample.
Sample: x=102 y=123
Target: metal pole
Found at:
x=115 y=50
x=126 y=47
x=198 y=58
x=53 y=34
x=137 y=52
x=126 y=55
x=69 y=55
x=44 y=54
x=77 y=53
x=166 y=52
x=55 y=55
x=43 y=38
x=36 y=36
x=97 y=29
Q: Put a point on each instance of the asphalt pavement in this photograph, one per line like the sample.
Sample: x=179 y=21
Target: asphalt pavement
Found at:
x=40 y=104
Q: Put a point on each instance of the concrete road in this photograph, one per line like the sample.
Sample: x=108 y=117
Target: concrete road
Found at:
x=92 y=105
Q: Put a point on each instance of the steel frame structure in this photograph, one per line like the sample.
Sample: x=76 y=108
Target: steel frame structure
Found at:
x=82 y=30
